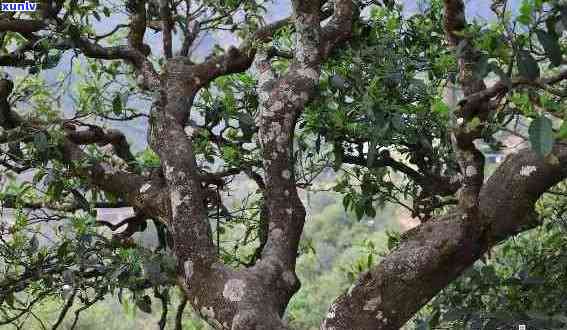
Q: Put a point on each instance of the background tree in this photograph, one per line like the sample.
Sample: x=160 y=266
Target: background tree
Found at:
x=366 y=85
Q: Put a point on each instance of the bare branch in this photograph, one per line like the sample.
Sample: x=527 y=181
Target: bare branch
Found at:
x=103 y=137
x=236 y=59
x=472 y=101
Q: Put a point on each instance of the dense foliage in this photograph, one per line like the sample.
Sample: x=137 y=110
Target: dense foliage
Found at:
x=389 y=126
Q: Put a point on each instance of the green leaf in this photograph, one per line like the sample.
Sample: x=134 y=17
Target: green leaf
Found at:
x=34 y=244
x=526 y=10
x=359 y=211
x=551 y=46
x=440 y=107
x=473 y=124
x=370 y=211
x=41 y=144
x=562 y=134
x=247 y=125
x=527 y=65
x=347 y=201
x=51 y=61
x=541 y=136
x=62 y=250
x=117 y=105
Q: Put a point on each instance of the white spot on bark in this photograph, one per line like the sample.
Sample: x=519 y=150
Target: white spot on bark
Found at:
x=455 y=178
x=289 y=211
x=380 y=316
x=277 y=233
x=527 y=170
x=289 y=278
x=145 y=188
x=188 y=266
x=168 y=171
x=286 y=174
x=175 y=199
x=286 y=193
x=331 y=313
x=460 y=121
x=190 y=131
x=470 y=171
x=234 y=289
x=372 y=304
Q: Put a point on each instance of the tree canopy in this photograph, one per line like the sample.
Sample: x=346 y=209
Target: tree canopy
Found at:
x=109 y=104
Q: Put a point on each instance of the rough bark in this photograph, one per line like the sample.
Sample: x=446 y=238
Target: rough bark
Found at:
x=253 y=298
x=428 y=258
x=433 y=254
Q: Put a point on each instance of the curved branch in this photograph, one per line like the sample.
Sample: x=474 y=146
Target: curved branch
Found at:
x=103 y=137
x=145 y=195
x=21 y=25
x=435 y=253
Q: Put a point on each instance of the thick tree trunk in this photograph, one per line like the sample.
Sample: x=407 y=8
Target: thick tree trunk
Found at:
x=427 y=259
x=256 y=297
x=435 y=253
